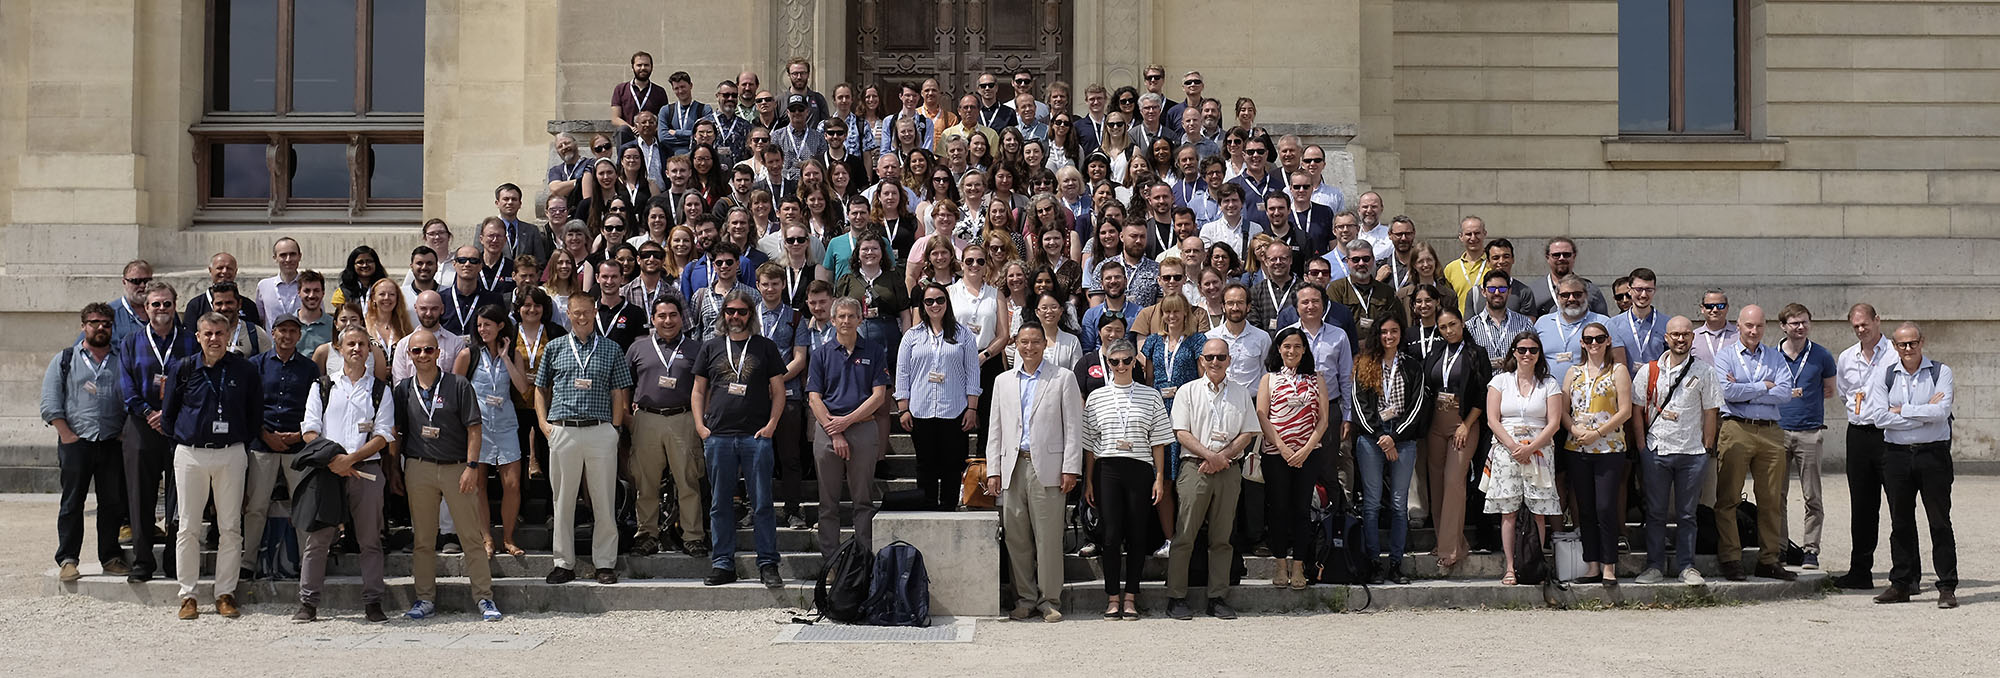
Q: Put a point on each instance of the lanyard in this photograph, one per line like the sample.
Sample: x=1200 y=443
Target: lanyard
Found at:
x=1448 y=360
x=680 y=116
x=580 y=356
x=987 y=119
x=1358 y=296
x=97 y=369
x=664 y=360
x=798 y=140
x=736 y=363
x=634 y=91
x=462 y=311
x=167 y=355
x=1714 y=341
x=426 y=400
x=1805 y=356
x=1277 y=302
x=614 y=314
x=486 y=283
x=1473 y=279
x=652 y=295
x=725 y=132
x=1758 y=370
x=1425 y=336
x=1562 y=339
x=1256 y=186
x=1652 y=322
x=891 y=226
x=217 y=378
x=534 y=354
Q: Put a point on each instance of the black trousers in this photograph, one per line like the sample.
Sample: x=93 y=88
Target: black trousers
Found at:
x=1910 y=472
x=988 y=371
x=82 y=464
x=791 y=446
x=1594 y=481
x=1288 y=495
x=941 y=455
x=149 y=462
x=1864 y=490
x=1125 y=506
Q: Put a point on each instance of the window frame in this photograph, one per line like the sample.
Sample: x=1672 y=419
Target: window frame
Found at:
x=1677 y=76
x=280 y=128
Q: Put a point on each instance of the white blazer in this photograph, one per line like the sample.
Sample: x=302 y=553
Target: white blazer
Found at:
x=1058 y=429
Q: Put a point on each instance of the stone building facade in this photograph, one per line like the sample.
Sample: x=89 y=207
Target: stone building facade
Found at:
x=1854 y=159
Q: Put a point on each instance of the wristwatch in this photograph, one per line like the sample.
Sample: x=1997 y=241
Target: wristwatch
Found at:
x=472 y=465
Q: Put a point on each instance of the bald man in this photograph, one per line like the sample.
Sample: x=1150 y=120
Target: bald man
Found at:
x=1754 y=383
x=1678 y=401
x=221 y=268
x=430 y=314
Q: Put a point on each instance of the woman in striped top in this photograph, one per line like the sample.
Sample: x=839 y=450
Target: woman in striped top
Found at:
x=1292 y=407
x=1125 y=431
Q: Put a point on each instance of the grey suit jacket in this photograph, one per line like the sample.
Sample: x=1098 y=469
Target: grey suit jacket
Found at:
x=1057 y=447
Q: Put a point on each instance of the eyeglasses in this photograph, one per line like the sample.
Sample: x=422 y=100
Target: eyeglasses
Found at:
x=475 y=260
x=652 y=254
x=735 y=310
x=1716 y=306
x=422 y=350
x=1191 y=82
x=975 y=261
x=988 y=85
x=1215 y=357
x=1119 y=362
x=1596 y=338
x=1526 y=350
x=97 y=322
x=765 y=100
x=140 y=282
x=1641 y=290
x=599 y=148
x=1361 y=259
x=797 y=240
x=934 y=301
x=1562 y=255
x=1318 y=271
x=1799 y=323
x=1497 y=289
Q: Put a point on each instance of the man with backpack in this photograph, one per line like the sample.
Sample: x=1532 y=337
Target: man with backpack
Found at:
x=438 y=421
x=82 y=400
x=349 y=409
x=1679 y=403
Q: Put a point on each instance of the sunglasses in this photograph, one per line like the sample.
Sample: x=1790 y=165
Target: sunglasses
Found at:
x=1191 y=81
x=1497 y=289
x=1561 y=255
x=765 y=100
x=423 y=350
x=159 y=304
x=601 y=148
x=836 y=132
x=1360 y=260
x=1313 y=160
x=1595 y=338
x=975 y=261
x=1908 y=344
x=1716 y=307
x=988 y=85
x=934 y=301
x=97 y=322
x=1232 y=142
x=725 y=262
x=1023 y=81
x=1119 y=362
x=1060 y=123
x=1150 y=77
x=1621 y=297
x=760 y=140
x=1215 y=357
x=1301 y=187
x=652 y=254
x=475 y=260
x=1526 y=350
x=735 y=310
x=1115 y=125
x=1569 y=295
x=1172 y=278
x=797 y=240
x=141 y=282
x=730 y=95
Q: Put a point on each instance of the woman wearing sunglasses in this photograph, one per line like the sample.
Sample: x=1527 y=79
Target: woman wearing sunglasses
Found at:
x=1126 y=432
x=1523 y=408
x=1599 y=391
x=937 y=394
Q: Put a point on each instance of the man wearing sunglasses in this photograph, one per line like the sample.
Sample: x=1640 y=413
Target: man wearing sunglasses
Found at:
x=1191 y=86
x=1367 y=299
x=128 y=310
x=1215 y=422
x=738 y=400
x=732 y=130
x=1560 y=252
x=1562 y=331
x=991 y=114
x=1715 y=334
x=466 y=295
x=143 y=359
x=1024 y=84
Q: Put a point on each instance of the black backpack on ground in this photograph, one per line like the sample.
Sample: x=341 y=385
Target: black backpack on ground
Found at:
x=844 y=587
x=1340 y=550
x=1707 y=537
x=1531 y=562
x=900 y=591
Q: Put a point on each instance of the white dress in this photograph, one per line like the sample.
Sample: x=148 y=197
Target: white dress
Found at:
x=1507 y=483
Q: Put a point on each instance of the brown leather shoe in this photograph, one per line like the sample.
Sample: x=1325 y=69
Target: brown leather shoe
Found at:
x=1947 y=599
x=225 y=605
x=189 y=610
x=1733 y=571
x=117 y=567
x=1894 y=594
x=1776 y=571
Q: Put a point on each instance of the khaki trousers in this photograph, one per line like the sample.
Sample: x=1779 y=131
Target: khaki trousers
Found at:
x=426 y=482
x=1802 y=451
x=580 y=457
x=660 y=443
x=262 y=477
x=1031 y=518
x=1209 y=497
x=1446 y=467
x=1759 y=451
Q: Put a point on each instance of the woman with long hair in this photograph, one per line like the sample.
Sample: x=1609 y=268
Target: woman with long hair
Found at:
x=1064 y=151
x=680 y=251
x=1125 y=100
x=1007 y=185
x=364 y=268
x=1222 y=259
x=1053 y=254
x=496 y=371
x=1104 y=246
x=822 y=221
x=1524 y=407
x=1044 y=214
x=1126 y=432
x=1035 y=158
x=1160 y=157
x=941 y=186
x=1172 y=355
x=1392 y=400
x=1425 y=302
x=885 y=300
x=1117 y=145
x=561 y=281
x=1427 y=269
x=1064 y=347
x=979 y=153
x=693 y=207
x=898 y=225
x=388 y=318
x=935 y=363
x=1014 y=292
x=1458 y=367
x=979 y=307
x=938 y=264
x=907 y=142
x=841 y=184
x=760 y=207
x=1293 y=409
x=598 y=191
x=633 y=183
x=658 y=221
x=532 y=336
x=708 y=178
x=1599 y=391
x=1011 y=140
x=1211 y=284
x=1000 y=245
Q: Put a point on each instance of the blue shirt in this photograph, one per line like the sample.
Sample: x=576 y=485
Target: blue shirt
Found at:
x=1028 y=380
x=1921 y=420
x=126 y=320
x=286 y=384
x=1644 y=339
x=142 y=361
x=695 y=276
x=935 y=375
x=1742 y=372
x=777 y=327
x=90 y=399
x=211 y=405
x=1562 y=343
x=844 y=379
x=1096 y=314
x=1808 y=374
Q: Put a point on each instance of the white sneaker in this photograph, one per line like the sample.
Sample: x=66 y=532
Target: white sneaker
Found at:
x=1164 y=548
x=1652 y=575
x=1692 y=578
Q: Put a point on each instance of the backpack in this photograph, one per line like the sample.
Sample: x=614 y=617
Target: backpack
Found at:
x=1707 y=537
x=1531 y=563
x=845 y=586
x=1340 y=554
x=900 y=593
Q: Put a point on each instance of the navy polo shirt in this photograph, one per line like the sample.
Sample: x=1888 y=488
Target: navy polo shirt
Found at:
x=1809 y=372
x=844 y=380
x=286 y=383
x=199 y=395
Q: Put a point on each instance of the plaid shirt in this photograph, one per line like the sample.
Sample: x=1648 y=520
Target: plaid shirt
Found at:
x=1392 y=389
x=600 y=362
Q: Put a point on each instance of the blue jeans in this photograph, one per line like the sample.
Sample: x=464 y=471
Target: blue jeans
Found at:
x=1675 y=477
x=748 y=458
x=1369 y=464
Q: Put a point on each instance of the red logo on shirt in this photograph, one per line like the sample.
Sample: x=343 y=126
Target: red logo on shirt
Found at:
x=1096 y=372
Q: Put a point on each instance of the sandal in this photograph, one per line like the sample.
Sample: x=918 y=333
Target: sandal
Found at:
x=1114 y=614
x=1131 y=609
x=515 y=551
x=1508 y=580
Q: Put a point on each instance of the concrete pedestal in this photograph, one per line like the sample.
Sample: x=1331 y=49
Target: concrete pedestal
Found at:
x=961 y=553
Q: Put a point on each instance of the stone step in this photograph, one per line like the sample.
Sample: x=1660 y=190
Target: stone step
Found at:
x=35 y=479
x=1087 y=600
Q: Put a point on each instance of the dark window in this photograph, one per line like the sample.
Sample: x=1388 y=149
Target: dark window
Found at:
x=1680 y=66
x=312 y=91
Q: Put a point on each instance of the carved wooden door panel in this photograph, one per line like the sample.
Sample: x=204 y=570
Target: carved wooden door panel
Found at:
x=955 y=40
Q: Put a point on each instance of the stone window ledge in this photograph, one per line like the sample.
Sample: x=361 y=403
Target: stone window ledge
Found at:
x=1681 y=152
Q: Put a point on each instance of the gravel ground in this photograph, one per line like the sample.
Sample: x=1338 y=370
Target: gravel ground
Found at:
x=1842 y=634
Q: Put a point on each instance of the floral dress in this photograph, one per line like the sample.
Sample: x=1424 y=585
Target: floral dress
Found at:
x=1591 y=403
x=1509 y=484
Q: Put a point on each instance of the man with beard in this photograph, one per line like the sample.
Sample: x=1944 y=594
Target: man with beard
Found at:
x=1271 y=289
x=468 y=292
x=1677 y=401
x=1561 y=254
x=245 y=338
x=1399 y=268
x=663 y=430
x=1562 y=331
x=81 y=399
x=1112 y=300
x=143 y=361
x=1500 y=257
x=1368 y=299
x=583 y=393
x=1142 y=273
x=739 y=396
x=1494 y=328
x=315 y=324
x=430 y=312
x=628 y=99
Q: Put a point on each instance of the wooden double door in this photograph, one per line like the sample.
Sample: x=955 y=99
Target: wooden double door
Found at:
x=897 y=41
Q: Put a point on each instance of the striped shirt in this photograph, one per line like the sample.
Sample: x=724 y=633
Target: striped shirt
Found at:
x=1126 y=421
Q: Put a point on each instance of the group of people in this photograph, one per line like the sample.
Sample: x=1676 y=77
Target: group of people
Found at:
x=1011 y=283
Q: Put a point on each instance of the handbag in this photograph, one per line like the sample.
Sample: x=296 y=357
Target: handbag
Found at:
x=972 y=491
x=1568 y=555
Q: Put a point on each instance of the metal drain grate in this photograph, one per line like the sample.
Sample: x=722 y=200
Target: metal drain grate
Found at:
x=940 y=631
